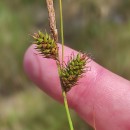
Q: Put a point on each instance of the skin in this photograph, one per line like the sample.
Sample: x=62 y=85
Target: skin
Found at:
x=100 y=96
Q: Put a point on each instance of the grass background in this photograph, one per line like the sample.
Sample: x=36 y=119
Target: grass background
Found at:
x=101 y=28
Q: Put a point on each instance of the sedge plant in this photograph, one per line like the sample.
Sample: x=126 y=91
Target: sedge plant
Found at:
x=46 y=45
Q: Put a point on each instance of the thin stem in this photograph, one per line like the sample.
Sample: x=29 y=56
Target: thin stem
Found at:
x=52 y=19
x=62 y=32
x=53 y=30
x=67 y=111
x=63 y=92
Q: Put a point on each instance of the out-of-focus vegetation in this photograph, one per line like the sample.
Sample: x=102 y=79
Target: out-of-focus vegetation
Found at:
x=100 y=27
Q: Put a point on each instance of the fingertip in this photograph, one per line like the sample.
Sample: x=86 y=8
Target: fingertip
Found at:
x=29 y=63
x=43 y=72
x=99 y=89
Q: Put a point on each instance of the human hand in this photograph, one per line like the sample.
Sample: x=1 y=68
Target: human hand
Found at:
x=101 y=96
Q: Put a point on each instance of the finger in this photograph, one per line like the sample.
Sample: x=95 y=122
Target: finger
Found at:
x=101 y=96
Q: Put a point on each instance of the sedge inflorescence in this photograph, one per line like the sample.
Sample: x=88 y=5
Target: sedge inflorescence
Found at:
x=70 y=72
x=73 y=70
x=45 y=45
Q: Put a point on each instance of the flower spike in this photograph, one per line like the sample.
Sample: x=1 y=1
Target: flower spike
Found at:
x=46 y=45
x=73 y=70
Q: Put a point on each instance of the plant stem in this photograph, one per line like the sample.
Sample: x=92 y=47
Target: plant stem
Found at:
x=63 y=92
x=61 y=29
x=67 y=111
x=54 y=32
x=52 y=19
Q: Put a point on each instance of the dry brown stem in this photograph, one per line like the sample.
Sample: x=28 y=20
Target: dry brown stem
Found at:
x=52 y=19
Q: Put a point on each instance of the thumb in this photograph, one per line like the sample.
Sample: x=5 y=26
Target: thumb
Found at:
x=101 y=96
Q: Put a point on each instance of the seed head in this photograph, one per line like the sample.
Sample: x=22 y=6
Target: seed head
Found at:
x=45 y=45
x=74 y=70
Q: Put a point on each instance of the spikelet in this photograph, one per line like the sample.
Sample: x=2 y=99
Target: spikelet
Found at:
x=46 y=45
x=74 y=70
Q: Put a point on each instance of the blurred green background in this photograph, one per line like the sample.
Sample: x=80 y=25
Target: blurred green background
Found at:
x=99 y=27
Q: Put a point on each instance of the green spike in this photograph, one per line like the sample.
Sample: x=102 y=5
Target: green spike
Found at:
x=40 y=40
